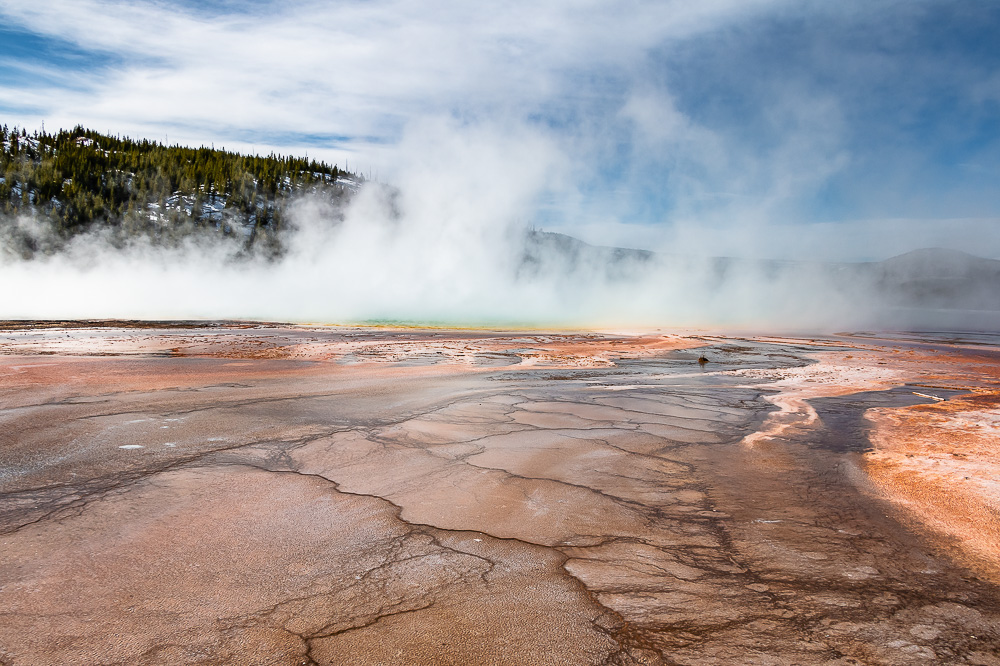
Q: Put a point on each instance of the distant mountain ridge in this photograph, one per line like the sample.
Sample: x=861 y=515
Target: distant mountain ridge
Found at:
x=938 y=277
x=927 y=278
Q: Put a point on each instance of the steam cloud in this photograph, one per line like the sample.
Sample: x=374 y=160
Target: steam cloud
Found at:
x=449 y=244
x=764 y=130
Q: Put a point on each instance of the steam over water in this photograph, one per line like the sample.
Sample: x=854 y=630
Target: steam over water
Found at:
x=787 y=137
x=450 y=242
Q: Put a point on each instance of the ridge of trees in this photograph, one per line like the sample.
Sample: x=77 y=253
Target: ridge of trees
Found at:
x=80 y=179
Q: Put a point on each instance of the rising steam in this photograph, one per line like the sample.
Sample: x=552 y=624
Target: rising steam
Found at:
x=449 y=243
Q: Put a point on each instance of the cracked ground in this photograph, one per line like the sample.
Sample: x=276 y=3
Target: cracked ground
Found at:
x=253 y=494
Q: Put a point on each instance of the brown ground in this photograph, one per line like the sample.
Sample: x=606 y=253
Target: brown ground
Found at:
x=308 y=495
x=940 y=462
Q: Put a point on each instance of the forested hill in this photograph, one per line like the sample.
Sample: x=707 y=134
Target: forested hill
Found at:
x=79 y=179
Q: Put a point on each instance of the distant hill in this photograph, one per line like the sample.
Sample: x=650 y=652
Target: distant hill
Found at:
x=548 y=253
x=80 y=179
x=928 y=279
x=938 y=278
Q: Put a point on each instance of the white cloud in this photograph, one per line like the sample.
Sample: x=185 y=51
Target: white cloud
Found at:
x=355 y=69
x=585 y=80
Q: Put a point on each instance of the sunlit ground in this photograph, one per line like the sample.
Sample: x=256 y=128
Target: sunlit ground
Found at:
x=243 y=493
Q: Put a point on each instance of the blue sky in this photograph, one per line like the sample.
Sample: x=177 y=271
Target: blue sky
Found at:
x=832 y=129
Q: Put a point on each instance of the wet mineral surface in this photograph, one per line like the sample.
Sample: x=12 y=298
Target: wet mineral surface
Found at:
x=256 y=494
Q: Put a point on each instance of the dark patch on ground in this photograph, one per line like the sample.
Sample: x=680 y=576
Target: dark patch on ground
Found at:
x=845 y=427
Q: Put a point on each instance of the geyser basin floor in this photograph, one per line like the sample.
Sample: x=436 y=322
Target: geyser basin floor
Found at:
x=308 y=495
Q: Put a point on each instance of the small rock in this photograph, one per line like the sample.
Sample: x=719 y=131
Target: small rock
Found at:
x=925 y=632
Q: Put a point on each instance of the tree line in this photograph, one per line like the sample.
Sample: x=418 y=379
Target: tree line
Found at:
x=78 y=179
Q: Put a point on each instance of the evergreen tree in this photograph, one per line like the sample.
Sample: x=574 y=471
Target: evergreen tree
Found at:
x=81 y=179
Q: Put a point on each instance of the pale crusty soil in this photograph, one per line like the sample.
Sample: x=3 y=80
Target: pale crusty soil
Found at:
x=940 y=462
x=258 y=494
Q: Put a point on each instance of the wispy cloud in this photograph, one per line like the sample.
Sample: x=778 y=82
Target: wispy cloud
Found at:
x=349 y=68
x=706 y=117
